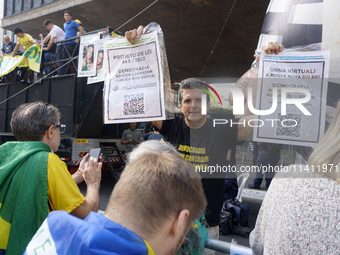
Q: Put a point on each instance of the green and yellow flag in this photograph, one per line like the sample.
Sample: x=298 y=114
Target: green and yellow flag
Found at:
x=31 y=59
x=23 y=193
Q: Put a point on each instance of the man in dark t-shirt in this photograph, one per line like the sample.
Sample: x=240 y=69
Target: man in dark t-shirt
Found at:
x=206 y=148
x=200 y=142
x=8 y=46
x=204 y=145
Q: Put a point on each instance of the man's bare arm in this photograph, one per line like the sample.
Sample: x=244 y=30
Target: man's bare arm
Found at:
x=50 y=43
x=92 y=175
x=46 y=39
x=15 y=49
x=245 y=132
x=91 y=203
x=126 y=142
x=81 y=30
x=78 y=176
x=158 y=124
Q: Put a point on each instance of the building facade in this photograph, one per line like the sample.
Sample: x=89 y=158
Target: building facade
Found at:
x=208 y=38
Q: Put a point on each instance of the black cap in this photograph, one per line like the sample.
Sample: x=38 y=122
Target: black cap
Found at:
x=18 y=30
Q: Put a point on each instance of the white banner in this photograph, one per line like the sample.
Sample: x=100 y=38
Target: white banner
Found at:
x=291 y=98
x=87 y=54
x=134 y=89
x=99 y=63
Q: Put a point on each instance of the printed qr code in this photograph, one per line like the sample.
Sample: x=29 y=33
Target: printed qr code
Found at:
x=134 y=104
x=289 y=125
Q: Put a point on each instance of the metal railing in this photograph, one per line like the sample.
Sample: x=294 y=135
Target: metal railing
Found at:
x=228 y=248
x=70 y=55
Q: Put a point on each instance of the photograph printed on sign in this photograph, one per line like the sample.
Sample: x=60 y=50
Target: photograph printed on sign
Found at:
x=99 y=65
x=88 y=51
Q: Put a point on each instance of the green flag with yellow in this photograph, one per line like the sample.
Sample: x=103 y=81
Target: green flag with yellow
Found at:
x=31 y=59
x=23 y=193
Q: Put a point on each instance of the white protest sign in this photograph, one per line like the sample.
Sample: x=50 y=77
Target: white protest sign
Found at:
x=99 y=64
x=88 y=51
x=291 y=98
x=133 y=86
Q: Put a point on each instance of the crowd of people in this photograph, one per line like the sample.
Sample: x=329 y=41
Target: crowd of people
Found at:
x=52 y=50
x=61 y=51
x=162 y=190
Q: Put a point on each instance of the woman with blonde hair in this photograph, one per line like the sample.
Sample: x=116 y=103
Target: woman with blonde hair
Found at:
x=326 y=156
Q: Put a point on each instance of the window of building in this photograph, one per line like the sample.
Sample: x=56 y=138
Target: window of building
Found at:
x=18 y=6
x=8 y=8
x=27 y=5
x=36 y=3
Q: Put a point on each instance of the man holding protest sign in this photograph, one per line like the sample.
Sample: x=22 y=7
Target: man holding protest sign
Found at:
x=201 y=142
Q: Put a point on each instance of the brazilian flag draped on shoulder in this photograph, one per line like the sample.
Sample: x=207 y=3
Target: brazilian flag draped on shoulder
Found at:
x=31 y=59
x=23 y=193
x=63 y=233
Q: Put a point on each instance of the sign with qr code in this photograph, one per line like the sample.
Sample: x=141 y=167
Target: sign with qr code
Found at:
x=134 y=86
x=291 y=97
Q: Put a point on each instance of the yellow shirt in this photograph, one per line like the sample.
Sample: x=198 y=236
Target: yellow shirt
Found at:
x=63 y=192
x=25 y=41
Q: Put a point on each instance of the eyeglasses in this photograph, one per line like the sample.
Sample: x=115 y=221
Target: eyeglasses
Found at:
x=62 y=128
